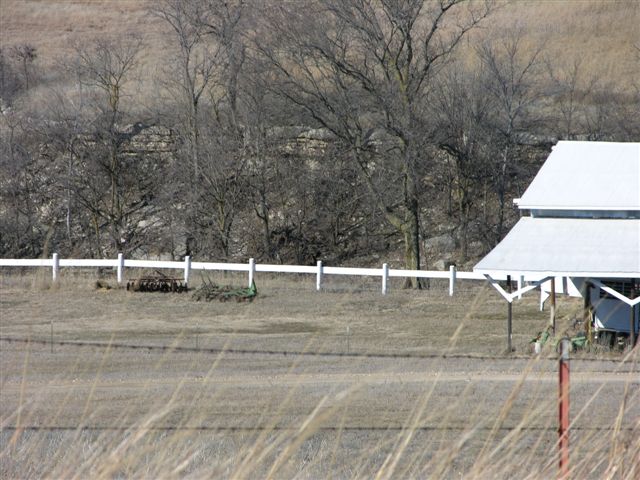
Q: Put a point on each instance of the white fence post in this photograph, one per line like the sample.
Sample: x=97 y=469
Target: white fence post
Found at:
x=55 y=267
x=187 y=269
x=385 y=277
x=120 y=268
x=252 y=271
x=319 y=276
x=452 y=279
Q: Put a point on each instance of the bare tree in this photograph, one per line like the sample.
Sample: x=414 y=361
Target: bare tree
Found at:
x=25 y=55
x=513 y=73
x=222 y=191
x=20 y=190
x=198 y=64
x=223 y=20
x=9 y=79
x=210 y=56
x=572 y=93
x=107 y=66
x=364 y=67
x=464 y=110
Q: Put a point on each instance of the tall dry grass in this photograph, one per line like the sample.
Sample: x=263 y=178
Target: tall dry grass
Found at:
x=602 y=35
x=168 y=439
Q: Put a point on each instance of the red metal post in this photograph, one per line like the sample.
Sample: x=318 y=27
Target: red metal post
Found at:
x=552 y=307
x=509 y=318
x=563 y=408
x=632 y=316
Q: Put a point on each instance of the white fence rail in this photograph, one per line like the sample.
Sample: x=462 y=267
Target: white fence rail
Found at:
x=187 y=266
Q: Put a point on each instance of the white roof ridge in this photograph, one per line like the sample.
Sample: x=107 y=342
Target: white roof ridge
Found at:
x=584 y=175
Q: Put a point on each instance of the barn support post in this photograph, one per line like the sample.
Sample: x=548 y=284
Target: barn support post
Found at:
x=187 y=270
x=385 y=277
x=587 y=310
x=632 y=316
x=252 y=271
x=55 y=267
x=319 y=276
x=509 y=317
x=520 y=284
x=552 y=306
x=120 y=269
x=452 y=279
x=563 y=408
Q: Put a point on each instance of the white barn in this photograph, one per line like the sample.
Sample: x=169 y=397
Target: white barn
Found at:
x=581 y=227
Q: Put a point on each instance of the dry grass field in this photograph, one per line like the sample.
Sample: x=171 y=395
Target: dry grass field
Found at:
x=599 y=33
x=277 y=389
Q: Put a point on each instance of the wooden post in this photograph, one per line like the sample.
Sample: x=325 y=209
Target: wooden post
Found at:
x=56 y=267
x=563 y=408
x=552 y=306
x=120 y=268
x=385 y=277
x=319 y=276
x=632 y=316
x=252 y=271
x=587 y=311
x=509 y=317
x=187 y=270
x=452 y=279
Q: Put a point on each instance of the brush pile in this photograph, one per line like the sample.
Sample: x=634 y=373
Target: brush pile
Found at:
x=209 y=291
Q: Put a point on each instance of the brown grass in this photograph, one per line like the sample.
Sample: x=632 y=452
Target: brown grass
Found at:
x=105 y=412
x=601 y=33
x=54 y=26
x=416 y=322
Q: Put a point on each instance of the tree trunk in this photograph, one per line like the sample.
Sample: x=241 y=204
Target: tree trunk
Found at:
x=406 y=221
x=195 y=140
x=411 y=232
x=502 y=188
x=266 y=230
x=411 y=237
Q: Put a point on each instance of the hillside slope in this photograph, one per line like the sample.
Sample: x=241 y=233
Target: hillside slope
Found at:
x=603 y=34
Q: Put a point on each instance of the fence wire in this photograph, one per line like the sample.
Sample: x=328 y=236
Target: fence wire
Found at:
x=206 y=428
x=294 y=353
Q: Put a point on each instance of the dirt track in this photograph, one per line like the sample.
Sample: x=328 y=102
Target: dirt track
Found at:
x=258 y=382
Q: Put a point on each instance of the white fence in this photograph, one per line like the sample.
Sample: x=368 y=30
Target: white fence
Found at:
x=187 y=266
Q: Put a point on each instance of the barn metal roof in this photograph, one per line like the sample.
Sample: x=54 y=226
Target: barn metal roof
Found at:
x=587 y=176
x=573 y=247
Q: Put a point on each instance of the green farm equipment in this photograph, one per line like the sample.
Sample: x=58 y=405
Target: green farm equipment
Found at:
x=209 y=291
